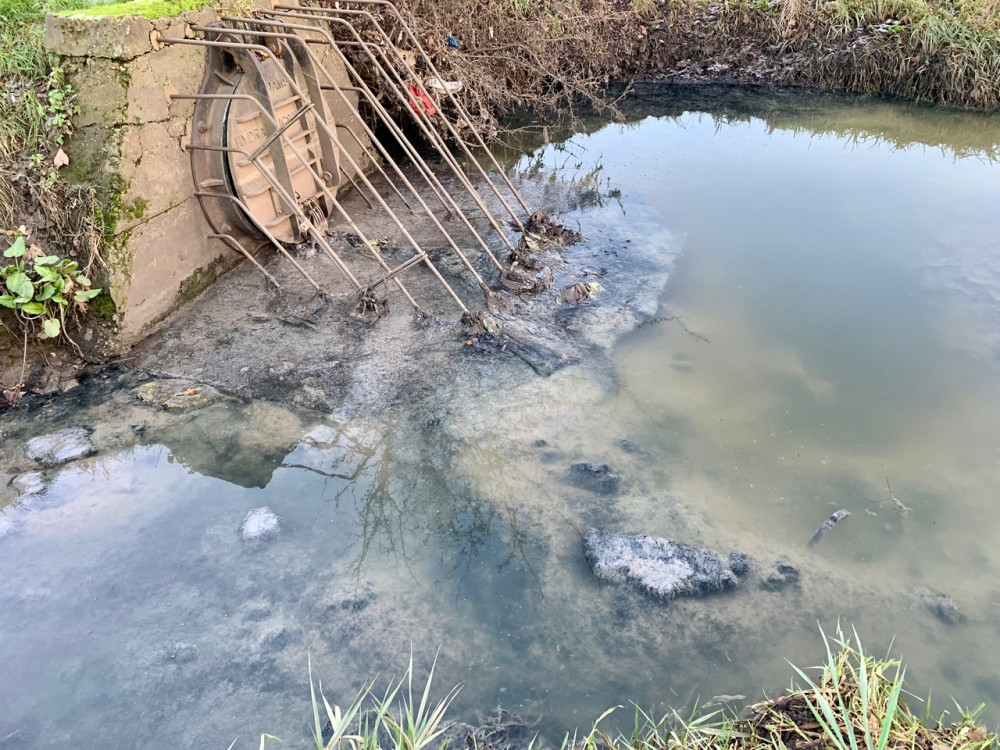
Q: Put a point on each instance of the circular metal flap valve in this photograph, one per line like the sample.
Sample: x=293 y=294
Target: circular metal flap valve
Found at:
x=263 y=151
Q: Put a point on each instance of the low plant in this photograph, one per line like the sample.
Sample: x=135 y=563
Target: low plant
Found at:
x=855 y=704
x=43 y=289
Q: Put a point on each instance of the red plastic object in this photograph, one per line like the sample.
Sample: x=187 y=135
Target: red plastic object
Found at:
x=419 y=100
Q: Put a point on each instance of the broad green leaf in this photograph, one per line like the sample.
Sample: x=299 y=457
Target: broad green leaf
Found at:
x=20 y=286
x=16 y=250
x=7 y=301
x=82 y=280
x=60 y=300
x=86 y=294
x=47 y=291
x=46 y=260
x=51 y=327
x=46 y=274
x=33 y=308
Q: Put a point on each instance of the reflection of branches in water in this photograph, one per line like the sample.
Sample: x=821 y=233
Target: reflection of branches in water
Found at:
x=408 y=487
x=504 y=479
x=561 y=165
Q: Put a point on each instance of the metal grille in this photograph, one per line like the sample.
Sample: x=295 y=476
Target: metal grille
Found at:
x=268 y=159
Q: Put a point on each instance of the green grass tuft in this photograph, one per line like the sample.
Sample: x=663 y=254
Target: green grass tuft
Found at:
x=137 y=9
x=855 y=703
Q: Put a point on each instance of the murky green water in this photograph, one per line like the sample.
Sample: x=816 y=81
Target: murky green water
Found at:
x=831 y=322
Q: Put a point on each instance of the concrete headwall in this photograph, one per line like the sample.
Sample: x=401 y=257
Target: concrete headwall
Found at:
x=130 y=140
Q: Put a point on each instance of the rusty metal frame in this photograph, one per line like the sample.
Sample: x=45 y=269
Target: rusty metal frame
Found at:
x=420 y=118
x=237 y=52
x=411 y=151
x=290 y=201
x=285 y=40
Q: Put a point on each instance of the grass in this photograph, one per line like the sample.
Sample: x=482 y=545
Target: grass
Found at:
x=138 y=8
x=856 y=702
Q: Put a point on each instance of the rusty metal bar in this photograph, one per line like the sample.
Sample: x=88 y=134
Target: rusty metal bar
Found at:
x=228 y=239
x=422 y=118
x=420 y=167
x=274 y=241
x=452 y=98
x=423 y=124
x=378 y=166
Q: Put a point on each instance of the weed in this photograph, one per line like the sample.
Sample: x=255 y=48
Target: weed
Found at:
x=43 y=288
x=855 y=704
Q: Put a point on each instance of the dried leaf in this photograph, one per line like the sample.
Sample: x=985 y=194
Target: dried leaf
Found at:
x=60 y=159
x=190 y=391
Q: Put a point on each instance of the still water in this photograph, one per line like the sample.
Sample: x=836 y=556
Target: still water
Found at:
x=829 y=338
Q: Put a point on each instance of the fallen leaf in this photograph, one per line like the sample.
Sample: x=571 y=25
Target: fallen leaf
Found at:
x=60 y=159
x=190 y=391
x=978 y=734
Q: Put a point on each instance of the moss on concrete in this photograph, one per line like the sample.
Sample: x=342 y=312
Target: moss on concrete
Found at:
x=139 y=9
x=201 y=279
x=103 y=306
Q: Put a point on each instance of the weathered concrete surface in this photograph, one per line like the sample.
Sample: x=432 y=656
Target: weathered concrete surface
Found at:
x=130 y=142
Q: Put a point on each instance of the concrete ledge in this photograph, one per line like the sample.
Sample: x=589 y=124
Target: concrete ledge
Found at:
x=130 y=145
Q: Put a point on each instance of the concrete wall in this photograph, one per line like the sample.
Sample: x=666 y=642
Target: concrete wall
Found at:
x=130 y=140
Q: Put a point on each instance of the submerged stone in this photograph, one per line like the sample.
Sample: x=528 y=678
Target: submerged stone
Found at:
x=783 y=575
x=662 y=568
x=28 y=484
x=599 y=478
x=260 y=524
x=739 y=563
x=60 y=447
x=177 y=395
x=941 y=606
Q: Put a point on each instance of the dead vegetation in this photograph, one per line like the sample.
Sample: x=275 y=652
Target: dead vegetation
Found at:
x=857 y=702
x=559 y=55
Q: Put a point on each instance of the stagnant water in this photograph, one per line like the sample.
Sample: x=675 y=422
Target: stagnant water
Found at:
x=830 y=329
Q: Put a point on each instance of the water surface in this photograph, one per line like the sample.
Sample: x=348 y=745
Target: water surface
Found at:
x=829 y=331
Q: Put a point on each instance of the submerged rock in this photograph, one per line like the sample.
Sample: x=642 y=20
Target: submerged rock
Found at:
x=28 y=484
x=599 y=478
x=260 y=524
x=941 y=606
x=660 y=567
x=177 y=395
x=60 y=447
x=739 y=563
x=783 y=575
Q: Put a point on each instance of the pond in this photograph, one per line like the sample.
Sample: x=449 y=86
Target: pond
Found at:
x=829 y=338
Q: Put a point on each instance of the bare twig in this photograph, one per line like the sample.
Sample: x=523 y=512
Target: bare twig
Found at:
x=679 y=320
x=896 y=503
